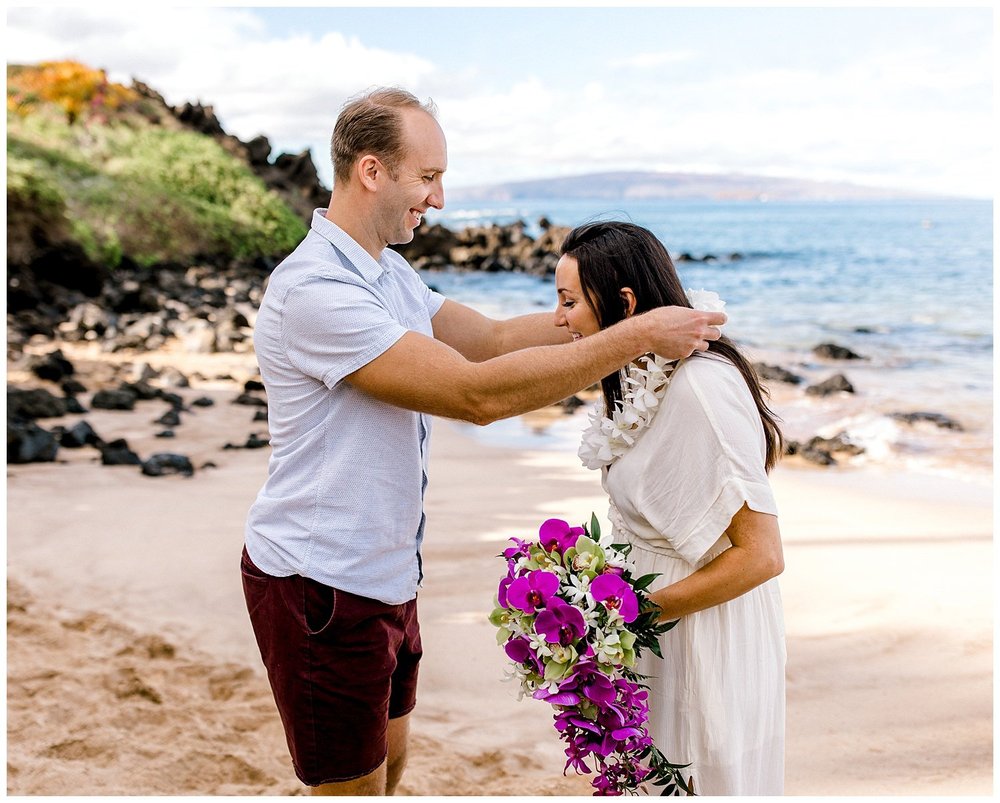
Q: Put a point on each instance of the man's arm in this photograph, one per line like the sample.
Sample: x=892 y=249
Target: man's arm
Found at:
x=425 y=374
x=477 y=337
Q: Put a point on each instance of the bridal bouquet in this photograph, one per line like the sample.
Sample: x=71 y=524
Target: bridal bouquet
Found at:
x=572 y=619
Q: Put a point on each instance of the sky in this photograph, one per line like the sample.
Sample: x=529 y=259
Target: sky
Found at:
x=898 y=97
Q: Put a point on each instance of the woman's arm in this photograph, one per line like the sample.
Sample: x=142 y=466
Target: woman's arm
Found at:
x=754 y=558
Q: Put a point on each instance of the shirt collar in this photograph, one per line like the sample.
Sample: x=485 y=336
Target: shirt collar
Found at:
x=366 y=265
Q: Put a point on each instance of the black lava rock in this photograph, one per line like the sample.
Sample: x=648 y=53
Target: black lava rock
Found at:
x=775 y=373
x=835 y=384
x=938 y=419
x=250 y=400
x=81 y=434
x=71 y=387
x=118 y=453
x=53 y=367
x=34 y=403
x=29 y=443
x=123 y=399
x=73 y=405
x=831 y=351
x=164 y=463
x=171 y=418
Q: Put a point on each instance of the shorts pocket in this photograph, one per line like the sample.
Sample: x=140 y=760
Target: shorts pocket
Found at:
x=256 y=584
x=319 y=603
x=249 y=569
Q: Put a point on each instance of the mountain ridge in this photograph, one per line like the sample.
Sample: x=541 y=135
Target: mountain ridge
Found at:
x=624 y=185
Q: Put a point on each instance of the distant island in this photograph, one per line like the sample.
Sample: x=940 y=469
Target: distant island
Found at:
x=648 y=185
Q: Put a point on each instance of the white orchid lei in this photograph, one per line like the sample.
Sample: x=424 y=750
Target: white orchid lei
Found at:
x=643 y=384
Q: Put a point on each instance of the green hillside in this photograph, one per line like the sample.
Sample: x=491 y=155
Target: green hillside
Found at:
x=102 y=169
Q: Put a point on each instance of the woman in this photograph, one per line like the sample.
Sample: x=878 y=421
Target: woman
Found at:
x=684 y=453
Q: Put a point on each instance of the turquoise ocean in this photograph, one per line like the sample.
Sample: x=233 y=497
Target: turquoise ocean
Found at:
x=906 y=284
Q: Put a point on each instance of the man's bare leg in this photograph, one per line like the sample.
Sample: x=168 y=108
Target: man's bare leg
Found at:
x=371 y=784
x=398 y=736
x=384 y=780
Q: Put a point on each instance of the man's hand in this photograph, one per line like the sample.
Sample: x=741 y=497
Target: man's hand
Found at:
x=678 y=332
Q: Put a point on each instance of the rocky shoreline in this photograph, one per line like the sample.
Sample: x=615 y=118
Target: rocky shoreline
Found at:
x=56 y=296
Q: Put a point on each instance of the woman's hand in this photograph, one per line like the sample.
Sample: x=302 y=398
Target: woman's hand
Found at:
x=754 y=558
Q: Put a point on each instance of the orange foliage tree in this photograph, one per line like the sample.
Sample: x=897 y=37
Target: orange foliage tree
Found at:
x=72 y=86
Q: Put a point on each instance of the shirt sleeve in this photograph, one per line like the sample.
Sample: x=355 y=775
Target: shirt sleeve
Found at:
x=433 y=299
x=710 y=454
x=331 y=328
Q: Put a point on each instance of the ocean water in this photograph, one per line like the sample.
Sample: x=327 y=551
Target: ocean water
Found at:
x=907 y=285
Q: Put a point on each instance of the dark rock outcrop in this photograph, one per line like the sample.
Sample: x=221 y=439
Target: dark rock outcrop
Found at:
x=822 y=451
x=937 y=419
x=118 y=453
x=831 y=351
x=29 y=443
x=253 y=441
x=838 y=383
x=164 y=463
x=53 y=367
x=775 y=373
x=250 y=400
x=79 y=435
x=34 y=403
x=110 y=399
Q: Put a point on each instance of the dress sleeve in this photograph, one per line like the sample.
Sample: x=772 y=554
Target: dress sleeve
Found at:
x=331 y=328
x=708 y=458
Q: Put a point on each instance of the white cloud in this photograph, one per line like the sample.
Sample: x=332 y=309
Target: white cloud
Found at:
x=647 y=61
x=918 y=117
x=289 y=89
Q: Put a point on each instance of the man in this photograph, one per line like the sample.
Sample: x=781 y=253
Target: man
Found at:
x=356 y=354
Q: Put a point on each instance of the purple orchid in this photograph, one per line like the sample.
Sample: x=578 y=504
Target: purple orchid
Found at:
x=503 y=589
x=600 y=714
x=519 y=650
x=557 y=535
x=533 y=591
x=615 y=594
x=560 y=622
x=520 y=548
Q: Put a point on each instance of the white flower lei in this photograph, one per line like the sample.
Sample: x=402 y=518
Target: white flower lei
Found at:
x=643 y=384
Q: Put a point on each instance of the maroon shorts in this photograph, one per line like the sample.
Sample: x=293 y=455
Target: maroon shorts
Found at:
x=340 y=666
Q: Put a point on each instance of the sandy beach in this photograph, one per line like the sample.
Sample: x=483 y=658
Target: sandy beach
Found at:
x=132 y=668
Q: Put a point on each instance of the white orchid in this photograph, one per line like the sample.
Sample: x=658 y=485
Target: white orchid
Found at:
x=705 y=300
x=578 y=590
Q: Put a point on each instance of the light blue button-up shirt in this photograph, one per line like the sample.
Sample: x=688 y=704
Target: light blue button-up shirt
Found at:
x=343 y=500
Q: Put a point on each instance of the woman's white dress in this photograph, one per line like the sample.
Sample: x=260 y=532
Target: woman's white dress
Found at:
x=717 y=699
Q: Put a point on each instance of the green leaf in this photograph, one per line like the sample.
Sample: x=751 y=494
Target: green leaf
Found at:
x=595 y=527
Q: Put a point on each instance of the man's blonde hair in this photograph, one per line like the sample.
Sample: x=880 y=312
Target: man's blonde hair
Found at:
x=372 y=123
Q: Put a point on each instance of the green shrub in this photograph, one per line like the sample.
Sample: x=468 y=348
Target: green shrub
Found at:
x=149 y=193
x=32 y=184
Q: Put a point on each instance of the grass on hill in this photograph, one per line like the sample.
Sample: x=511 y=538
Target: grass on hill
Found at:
x=123 y=186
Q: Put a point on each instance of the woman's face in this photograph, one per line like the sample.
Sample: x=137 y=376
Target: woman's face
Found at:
x=573 y=310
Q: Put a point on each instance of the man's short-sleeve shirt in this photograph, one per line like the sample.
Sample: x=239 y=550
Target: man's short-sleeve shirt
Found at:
x=343 y=499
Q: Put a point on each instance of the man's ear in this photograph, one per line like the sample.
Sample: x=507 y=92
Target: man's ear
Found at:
x=367 y=169
x=628 y=299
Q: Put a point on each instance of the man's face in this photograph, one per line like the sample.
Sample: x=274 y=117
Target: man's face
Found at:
x=418 y=183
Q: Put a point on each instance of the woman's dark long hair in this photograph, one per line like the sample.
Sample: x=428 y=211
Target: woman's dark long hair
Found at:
x=612 y=255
